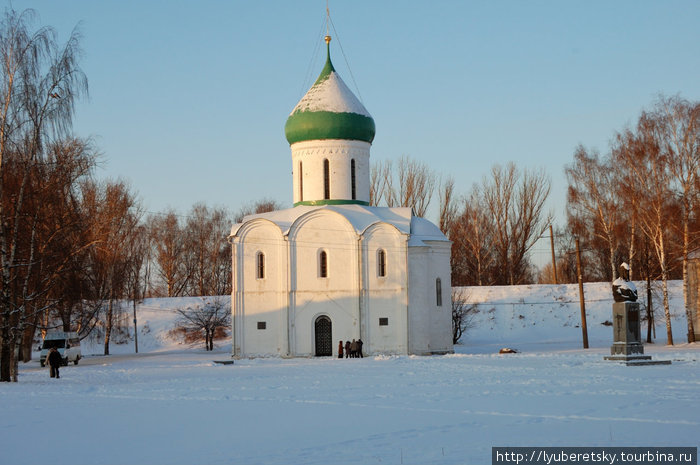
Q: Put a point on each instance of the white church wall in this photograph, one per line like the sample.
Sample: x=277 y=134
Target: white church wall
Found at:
x=263 y=299
x=385 y=300
x=430 y=323
x=441 y=318
x=420 y=300
x=339 y=153
x=336 y=295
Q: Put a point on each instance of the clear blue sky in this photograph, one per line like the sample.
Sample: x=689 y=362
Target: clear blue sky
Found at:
x=188 y=99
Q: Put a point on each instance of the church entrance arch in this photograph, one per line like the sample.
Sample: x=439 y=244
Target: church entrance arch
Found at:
x=323 y=336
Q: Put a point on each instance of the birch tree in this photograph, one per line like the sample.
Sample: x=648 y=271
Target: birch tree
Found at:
x=678 y=131
x=593 y=199
x=39 y=84
x=641 y=152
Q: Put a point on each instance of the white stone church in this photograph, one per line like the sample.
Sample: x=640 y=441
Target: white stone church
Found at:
x=332 y=267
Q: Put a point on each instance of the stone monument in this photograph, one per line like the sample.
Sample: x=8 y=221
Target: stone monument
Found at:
x=627 y=344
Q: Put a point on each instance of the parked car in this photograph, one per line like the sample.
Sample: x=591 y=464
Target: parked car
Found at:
x=67 y=343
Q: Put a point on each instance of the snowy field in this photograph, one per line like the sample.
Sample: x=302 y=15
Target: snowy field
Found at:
x=171 y=404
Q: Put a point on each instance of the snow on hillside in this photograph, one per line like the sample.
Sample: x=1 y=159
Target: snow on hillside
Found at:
x=527 y=316
x=541 y=316
x=172 y=404
x=156 y=318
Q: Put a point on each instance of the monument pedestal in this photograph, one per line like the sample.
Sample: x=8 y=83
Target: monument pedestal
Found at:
x=627 y=345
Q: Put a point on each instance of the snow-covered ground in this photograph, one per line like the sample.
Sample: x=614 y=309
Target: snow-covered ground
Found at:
x=171 y=404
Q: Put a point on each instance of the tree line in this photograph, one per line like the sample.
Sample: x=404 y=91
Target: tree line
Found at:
x=638 y=201
x=492 y=228
x=73 y=248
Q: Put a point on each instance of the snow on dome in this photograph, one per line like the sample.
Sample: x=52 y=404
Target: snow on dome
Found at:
x=329 y=110
x=331 y=94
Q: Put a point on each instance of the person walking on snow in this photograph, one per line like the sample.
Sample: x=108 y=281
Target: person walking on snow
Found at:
x=54 y=359
x=347 y=349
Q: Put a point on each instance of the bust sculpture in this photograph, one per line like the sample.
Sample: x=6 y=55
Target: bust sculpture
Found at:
x=624 y=290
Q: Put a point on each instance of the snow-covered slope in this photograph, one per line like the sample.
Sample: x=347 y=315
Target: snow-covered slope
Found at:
x=540 y=316
x=526 y=317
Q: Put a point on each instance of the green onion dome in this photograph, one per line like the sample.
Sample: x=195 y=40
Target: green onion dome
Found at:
x=329 y=110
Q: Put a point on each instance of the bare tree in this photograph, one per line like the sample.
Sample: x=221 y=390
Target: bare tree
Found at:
x=257 y=207
x=168 y=239
x=594 y=200
x=642 y=154
x=416 y=185
x=515 y=203
x=212 y=314
x=463 y=313
x=381 y=188
x=51 y=242
x=115 y=217
x=471 y=234
x=410 y=183
x=40 y=82
x=205 y=240
x=137 y=274
x=678 y=130
x=448 y=205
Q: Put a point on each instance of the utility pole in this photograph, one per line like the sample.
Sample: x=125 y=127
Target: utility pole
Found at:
x=554 y=259
x=136 y=329
x=584 y=327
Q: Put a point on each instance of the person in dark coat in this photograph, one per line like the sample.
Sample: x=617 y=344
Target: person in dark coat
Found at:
x=347 y=349
x=54 y=360
x=353 y=349
x=359 y=348
x=340 y=349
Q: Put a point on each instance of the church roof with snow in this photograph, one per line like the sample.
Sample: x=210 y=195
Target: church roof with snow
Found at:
x=329 y=110
x=360 y=217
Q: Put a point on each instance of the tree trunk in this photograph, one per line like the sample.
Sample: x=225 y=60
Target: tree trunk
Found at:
x=686 y=290
x=15 y=361
x=632 y=251
x=650 y=314
x=108 y=325
x=664 y=279
x=28 y=341
x=611 y=249
x=5 y=354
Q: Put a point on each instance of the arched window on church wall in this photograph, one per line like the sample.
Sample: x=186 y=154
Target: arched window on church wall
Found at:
x=438 y=292
x=260 y=265
x=301 y=182
x=326 y=179
x=352 y=178
x=323 y=264
x=381 y=263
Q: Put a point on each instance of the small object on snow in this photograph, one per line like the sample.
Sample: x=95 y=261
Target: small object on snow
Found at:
x=224 y=362
x=507 y=350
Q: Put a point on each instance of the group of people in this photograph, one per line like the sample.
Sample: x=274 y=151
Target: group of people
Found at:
x=350 y=349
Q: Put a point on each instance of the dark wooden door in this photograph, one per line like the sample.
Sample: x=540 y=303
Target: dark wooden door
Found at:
x=324 y=337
